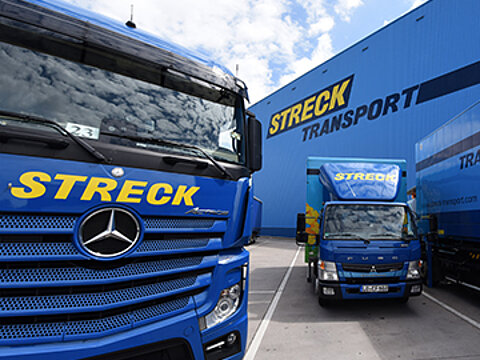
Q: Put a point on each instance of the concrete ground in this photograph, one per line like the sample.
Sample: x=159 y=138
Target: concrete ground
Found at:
x=286 y=322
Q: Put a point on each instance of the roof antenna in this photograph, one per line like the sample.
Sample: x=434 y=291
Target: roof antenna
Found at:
x=237 y=70
x=130 y=22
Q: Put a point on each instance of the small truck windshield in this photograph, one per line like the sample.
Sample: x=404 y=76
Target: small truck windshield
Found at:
x=368 y=222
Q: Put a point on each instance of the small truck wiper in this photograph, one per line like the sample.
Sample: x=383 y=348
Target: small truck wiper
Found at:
x=50 y=123
x=388 y=234
x=159 y=141
x=349 y=235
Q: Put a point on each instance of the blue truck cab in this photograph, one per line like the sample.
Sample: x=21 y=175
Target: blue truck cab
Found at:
x=359 y=234
x=126 y=165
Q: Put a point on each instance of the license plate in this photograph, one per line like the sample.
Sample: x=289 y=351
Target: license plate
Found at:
x=374 y=288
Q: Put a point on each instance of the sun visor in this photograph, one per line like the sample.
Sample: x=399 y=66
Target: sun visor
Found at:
x=361 y=181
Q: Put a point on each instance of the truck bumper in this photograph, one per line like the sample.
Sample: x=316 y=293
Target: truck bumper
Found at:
x=177 y=338
x=338 y=291
x=180 y=335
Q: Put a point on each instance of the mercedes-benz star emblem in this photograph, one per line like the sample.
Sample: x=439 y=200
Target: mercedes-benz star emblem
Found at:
x=109 y=232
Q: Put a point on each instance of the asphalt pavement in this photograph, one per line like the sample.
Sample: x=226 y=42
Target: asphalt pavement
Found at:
x=286 y=322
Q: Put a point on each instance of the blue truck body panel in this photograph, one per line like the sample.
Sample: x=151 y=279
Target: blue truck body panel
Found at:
x=358 y=184
x=394 y=63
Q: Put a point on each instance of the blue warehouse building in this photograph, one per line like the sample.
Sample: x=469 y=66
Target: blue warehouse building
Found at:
x=376 y=99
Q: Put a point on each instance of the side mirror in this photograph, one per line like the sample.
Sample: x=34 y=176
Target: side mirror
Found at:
x=302 y=236
x=254 y=142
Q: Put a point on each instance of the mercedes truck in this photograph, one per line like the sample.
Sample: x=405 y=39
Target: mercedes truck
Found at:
x=125 y=181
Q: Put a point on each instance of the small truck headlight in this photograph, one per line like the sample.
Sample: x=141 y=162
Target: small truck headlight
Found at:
x=413 y=272
x=327 y=271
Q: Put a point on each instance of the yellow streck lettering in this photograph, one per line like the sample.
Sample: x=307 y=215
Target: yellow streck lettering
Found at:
x=128 y=189
x=99 y=185
x=380 y=177
x=358 y=176
x=274 y=124
x=337 y=94
x=155 y=189
x=32 y=181
x=391 y=178
x=284 y=114
x=68 y=182
x=307 y=109
x=339 y=176
x=369 y=176
x=295 y=114
x=321 y=105
x=185 y=195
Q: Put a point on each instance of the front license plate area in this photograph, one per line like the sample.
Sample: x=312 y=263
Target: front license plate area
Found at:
x=374 y=288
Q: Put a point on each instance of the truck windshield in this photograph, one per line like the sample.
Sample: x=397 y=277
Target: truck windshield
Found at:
x=105 y=106
x=368 y=222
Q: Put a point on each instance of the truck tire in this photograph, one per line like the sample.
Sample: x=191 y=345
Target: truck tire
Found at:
x=310 y=272
x=324 y=303
x=436 y=269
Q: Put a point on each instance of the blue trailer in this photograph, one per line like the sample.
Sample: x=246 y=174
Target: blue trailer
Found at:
x=359 y=234
x=126 y=169
x=448 y=198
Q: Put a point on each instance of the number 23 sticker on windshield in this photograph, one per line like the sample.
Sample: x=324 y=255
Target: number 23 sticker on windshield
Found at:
x=83 y=131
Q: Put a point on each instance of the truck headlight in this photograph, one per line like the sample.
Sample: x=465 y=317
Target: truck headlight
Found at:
x=414 y=270
x=327 y=271
x=227 y=304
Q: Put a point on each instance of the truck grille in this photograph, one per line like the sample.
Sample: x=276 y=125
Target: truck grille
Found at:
x=50 y=292
x=367 y=268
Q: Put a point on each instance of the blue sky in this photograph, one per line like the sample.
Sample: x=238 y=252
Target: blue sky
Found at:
x=272 y=41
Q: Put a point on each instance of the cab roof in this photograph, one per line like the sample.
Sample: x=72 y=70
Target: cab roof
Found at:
x=99 y=30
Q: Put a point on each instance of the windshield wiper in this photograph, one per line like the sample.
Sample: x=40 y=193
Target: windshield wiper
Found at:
x=159 y=141
x=50 y=123
x=389 y=234
x=349 y=235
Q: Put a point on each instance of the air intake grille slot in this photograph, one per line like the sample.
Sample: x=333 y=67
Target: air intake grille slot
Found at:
x=366 y=268
x=84 y=329
x=25 y=222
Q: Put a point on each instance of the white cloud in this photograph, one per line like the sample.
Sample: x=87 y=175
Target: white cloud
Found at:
x=344 y=8
x=322 y=52
x=417 y=3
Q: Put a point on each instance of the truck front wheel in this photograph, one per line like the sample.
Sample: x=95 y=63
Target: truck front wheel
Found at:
x=324 y=302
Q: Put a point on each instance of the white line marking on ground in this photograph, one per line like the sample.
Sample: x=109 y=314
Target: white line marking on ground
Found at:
x=452 y=310
x=258 y=337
